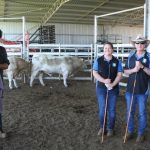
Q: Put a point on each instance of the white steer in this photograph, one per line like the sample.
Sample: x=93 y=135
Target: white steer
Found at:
x=64 y=65
x=16 y=67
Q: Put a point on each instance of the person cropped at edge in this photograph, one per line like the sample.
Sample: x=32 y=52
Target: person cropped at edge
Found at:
x=107 y=71
x=4 y=62
x=138 y=68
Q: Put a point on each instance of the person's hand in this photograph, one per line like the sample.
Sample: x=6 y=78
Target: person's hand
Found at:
x=137 y=66
x=107 y=81
x=109 y=86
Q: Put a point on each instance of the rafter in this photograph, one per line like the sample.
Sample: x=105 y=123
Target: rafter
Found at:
x=2 y=7
x=52 y=10
x=131 y=17
x=89 y=12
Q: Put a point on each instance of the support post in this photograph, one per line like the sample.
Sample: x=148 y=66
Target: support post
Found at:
x=95 y=36
x=23 y=39
x=147 y=21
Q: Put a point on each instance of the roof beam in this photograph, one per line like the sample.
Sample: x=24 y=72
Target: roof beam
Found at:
x=2 y=6
x=128 y=3
x=29 y=3
x=131 y=17
x=86 y=14
x=52 y=10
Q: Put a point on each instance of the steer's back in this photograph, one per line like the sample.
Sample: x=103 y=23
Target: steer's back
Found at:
x=56 y=64
x=68 y=62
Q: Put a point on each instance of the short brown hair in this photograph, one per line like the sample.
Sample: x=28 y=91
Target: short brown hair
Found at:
x=109 y=43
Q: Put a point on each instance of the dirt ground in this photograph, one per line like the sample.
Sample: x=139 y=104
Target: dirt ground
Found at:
x=58 y=118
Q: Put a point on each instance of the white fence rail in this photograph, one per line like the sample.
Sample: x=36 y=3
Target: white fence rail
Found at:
x=14 y=49
x=83 y=51
x=62 y=49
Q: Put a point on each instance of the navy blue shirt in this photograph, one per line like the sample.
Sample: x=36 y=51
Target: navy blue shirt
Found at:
x=107 y=69
x=3 y=58
x=142 y=79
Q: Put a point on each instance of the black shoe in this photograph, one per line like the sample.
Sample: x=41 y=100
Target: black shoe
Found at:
x=100 y=131
x=3 y=135
x=110 y=133
x=140 y=138
x=128 y=136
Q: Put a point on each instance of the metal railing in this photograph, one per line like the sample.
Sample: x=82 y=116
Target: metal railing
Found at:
x=14 y=49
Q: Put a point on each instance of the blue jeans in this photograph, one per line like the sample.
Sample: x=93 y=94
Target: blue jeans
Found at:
x=111 y=106
x=141 y=101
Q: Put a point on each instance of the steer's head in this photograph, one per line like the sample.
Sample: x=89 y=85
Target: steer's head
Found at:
x=83 y=64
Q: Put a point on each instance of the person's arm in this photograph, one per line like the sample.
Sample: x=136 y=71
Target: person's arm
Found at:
x=5 y=62
x=130 y=71
x=139 y=66
x=99 y=78
x=96 y=75
x=117 y=79
x=4 y=66
x=119 y=75
x=146 y=70
x=133 y=70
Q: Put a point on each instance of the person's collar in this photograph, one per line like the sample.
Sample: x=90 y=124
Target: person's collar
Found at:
x=105 y=59
x=140 y=56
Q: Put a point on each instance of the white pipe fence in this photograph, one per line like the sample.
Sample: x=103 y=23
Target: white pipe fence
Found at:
x=13 y=49
x=83 y=51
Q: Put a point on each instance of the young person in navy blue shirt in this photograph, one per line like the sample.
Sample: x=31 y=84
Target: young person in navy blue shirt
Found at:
x=107 y=71
x=138 y=68
x=4 y=62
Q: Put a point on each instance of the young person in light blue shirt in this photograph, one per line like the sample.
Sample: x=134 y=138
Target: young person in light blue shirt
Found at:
x=107 y=71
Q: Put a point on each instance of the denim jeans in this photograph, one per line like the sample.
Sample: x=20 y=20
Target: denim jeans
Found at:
x=111 y=106
x=0 y=122
x=141 y=102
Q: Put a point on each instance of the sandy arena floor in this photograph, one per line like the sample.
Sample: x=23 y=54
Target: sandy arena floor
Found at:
x=58 y=118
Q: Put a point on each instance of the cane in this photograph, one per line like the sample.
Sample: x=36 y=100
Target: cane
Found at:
x=130 y=109
x=105 y=114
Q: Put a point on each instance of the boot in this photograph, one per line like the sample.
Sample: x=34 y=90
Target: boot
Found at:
x=140 y=138
x=110 y=133
x=129 y=136
x=2 y=134
x=100 y=132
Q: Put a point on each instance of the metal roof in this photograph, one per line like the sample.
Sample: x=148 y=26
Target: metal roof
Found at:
x=73 y=11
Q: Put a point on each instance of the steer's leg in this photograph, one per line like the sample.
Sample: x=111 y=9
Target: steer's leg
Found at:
x=33 y=75
x=15 y=83
x=41 y=79
x=65 y=76
x=10 y=78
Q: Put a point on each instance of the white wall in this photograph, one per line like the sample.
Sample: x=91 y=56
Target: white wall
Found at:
x=127 y=32
x=72 y=33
